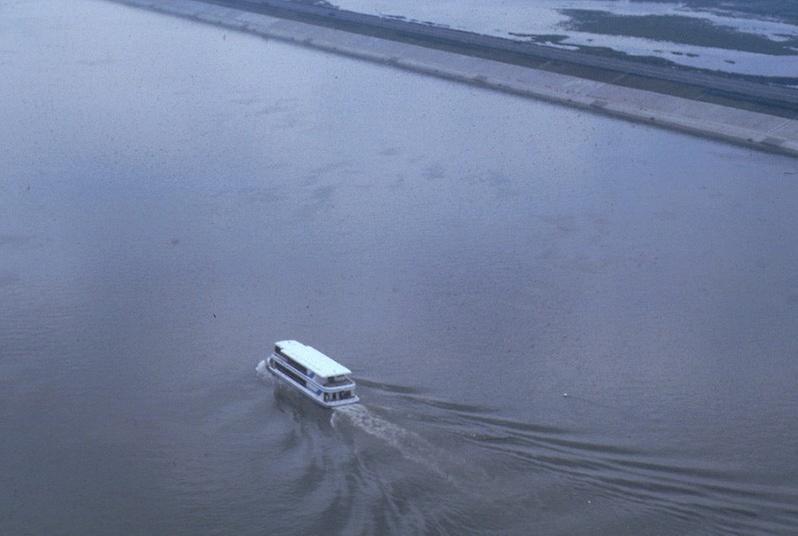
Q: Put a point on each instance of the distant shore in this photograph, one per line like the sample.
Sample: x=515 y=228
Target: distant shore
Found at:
x=737 y=111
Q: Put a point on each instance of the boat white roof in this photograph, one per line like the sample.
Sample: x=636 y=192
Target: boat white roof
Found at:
x=310 y=358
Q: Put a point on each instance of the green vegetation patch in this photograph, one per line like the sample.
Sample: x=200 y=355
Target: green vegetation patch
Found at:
x=675 y=29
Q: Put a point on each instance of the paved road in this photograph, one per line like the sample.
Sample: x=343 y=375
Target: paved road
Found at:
x=672 y=80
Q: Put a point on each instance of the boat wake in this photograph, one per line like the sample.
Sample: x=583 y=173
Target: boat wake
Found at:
x=438 y=466
x=409 y=444
x=693 y=492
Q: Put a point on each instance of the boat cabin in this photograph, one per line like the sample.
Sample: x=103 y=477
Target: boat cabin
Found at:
x=316 y=375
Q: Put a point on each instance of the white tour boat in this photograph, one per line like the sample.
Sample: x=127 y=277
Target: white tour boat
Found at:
x=320 y=377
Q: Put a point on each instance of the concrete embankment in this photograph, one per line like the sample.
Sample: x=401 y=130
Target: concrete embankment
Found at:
x=738 y=122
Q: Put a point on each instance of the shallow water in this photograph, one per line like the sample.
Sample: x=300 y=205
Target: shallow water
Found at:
x=175 y=197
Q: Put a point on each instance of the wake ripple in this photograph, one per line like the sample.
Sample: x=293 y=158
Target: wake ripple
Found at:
x=409 y=444
x=720 y=500
x=483 y=465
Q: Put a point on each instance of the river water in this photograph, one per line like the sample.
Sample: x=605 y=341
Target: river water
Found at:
x=175 y=197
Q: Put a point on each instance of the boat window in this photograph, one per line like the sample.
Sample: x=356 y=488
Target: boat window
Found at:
x=337 y=380
x=293 y=375
x=294 y=364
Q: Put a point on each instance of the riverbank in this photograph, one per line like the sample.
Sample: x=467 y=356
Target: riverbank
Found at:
x=734 y=123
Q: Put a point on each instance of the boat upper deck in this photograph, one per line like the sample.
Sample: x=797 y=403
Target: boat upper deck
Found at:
x=312 y=359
